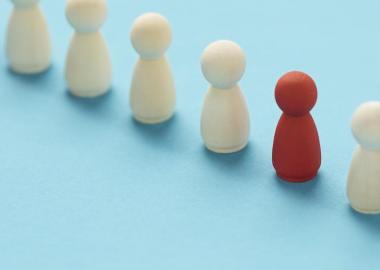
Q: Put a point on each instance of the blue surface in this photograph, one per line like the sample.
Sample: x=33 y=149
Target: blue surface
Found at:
x=83 y=186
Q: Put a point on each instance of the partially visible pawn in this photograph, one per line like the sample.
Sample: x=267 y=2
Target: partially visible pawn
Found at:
x=152 y=94
x=28 y=42
x=88 y=65
x=363 y=187
x=225 y=116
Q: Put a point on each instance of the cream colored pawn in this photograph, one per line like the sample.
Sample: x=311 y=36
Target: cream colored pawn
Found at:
x=225 y=117
x=88 y=65
x=28 y=42
x=152 y=94
x=364 y=178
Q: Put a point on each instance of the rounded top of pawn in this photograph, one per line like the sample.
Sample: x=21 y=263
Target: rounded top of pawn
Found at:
x=223 y=64
x=366 y=125
x=25 y=3
x=296 y=93
x=86 y=16
x=151 y=35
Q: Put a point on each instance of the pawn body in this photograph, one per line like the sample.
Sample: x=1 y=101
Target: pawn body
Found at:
x=363 y=188
x=28 y=42
x=152 y=97
x=225 y=120
x=296 y=148
x=88 y=65
x=152 y=94
x=296 y=154
x=363 y=185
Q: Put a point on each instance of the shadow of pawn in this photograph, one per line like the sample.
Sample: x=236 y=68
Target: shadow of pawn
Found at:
x=161 y=135
x=370 y=221
x=95 y=105
x=239 y=165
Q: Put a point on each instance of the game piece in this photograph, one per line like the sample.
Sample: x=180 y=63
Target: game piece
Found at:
x=152 y=94
x=296 y=148
x=363 y=187
x=88 y=64
x=28 y=42
x=225 y=116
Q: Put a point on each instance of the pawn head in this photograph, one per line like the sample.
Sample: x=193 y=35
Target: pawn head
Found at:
x=223 y=64
x=151 y=35
x=366 y=125
x=86 y=16
x=24 y=3
x=296 y=93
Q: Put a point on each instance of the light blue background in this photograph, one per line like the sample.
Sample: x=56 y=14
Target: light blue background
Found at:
x=82 y=186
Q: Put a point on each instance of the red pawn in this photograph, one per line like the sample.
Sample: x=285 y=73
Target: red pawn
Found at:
x=296 y=149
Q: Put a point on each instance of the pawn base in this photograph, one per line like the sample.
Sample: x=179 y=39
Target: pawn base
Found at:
x=28 y=69
x=227 y=150
x=89 y=93
x=366 y=211
x=151 y=120
x=296 y=180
